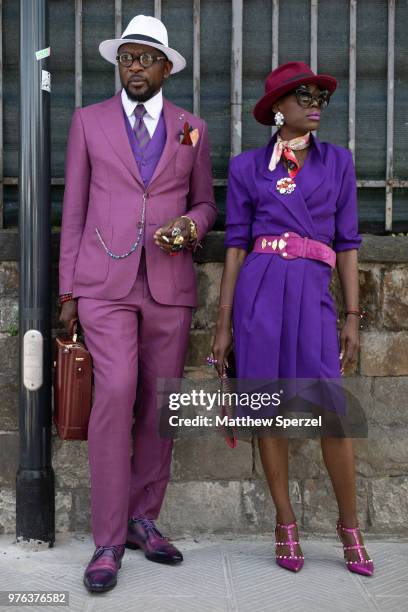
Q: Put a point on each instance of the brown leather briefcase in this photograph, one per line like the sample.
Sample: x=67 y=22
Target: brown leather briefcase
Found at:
x=72 y=388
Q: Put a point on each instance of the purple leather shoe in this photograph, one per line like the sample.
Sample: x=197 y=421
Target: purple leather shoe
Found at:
x=143 y=533
x=102 y=570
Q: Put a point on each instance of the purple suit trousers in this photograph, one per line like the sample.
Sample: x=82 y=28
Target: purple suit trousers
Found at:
x=132 y=341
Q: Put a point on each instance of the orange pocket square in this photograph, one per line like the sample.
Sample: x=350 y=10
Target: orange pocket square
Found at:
x=189 y=136
x=194 y=136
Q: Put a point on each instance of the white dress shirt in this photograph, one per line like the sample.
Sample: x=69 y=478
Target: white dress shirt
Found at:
x=153 y=108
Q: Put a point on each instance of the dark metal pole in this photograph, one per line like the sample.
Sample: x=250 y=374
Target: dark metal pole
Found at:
x=35 y=505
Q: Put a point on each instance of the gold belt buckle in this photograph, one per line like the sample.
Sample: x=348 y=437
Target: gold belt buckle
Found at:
x=276 y=244
x=283 y=242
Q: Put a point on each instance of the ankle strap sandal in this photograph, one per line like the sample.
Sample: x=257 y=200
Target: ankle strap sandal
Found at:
x=362 y=566
x=291 y=562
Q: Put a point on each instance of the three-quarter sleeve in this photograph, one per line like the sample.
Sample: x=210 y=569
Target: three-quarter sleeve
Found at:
x=346 y=218
x=239 y=210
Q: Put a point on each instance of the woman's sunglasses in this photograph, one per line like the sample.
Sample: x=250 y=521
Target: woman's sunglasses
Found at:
x=305 y=98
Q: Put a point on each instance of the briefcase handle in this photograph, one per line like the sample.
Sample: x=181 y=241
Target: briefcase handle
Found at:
x=75 y=332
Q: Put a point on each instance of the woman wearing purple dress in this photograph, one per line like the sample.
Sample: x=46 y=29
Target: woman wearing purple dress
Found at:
x=287 y=203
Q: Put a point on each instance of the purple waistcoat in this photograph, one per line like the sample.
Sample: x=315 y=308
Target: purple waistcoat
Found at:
x=152 y=152
x=147 y=161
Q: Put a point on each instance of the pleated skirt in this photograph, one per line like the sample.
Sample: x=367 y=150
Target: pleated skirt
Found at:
x=284 y=322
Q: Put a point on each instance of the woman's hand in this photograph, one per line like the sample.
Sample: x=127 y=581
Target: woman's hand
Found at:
x=69 y=315
x=347 y=266
x=221 y=347
x=349 y=341
x=222 y=343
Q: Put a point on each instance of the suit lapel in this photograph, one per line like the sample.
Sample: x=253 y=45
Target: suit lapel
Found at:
x=173 y=119
x=308 y=179
x=112 y=122
x=313 y=173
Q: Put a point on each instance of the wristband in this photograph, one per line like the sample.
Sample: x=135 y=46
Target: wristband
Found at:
x=358 y=313
x=65 y=297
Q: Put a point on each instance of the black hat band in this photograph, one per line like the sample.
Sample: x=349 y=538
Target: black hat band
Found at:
x=143 y=37
x=299 y=76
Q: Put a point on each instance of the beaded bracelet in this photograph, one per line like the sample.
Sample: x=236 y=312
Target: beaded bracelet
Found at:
x=192 y=242
x=65 y=297
x=358 y=313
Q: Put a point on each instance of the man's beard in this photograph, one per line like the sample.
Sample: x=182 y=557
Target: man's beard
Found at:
x=142 y=97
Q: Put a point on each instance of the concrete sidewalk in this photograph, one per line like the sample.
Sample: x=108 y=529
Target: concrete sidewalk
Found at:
x=218 y=574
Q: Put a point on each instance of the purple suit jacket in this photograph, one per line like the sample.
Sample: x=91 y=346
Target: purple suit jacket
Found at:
x=104 y=189
x=323 y=205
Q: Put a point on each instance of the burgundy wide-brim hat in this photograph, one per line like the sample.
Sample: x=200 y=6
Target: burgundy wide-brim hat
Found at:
x=282 y=80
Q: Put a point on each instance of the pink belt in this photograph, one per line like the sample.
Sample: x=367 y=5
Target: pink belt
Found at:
x=290 y=246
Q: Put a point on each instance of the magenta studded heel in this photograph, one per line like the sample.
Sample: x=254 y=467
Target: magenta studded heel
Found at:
x=363 y=565
x=290 y=561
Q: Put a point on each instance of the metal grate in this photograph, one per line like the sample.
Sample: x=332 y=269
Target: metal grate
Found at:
x=199 y=32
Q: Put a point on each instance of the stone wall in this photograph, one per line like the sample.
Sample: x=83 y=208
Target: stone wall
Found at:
x=220 y=490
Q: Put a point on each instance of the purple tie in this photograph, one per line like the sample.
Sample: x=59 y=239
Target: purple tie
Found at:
x=140 y=129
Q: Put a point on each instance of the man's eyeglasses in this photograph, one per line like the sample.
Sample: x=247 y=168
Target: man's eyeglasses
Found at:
x=305 y=98
x=145 y=59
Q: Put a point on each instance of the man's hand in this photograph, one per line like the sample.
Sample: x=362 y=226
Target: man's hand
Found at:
x=167 y=236
x=69 y=315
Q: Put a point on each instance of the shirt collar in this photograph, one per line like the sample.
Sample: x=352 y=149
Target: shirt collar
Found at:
x=153 y=106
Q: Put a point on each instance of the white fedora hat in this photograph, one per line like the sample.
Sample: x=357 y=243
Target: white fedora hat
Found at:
x=144 y=30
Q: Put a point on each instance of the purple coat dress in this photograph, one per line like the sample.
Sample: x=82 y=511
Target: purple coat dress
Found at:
x=284 y=316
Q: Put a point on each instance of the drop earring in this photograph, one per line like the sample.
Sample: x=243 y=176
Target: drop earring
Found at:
x=279 y=119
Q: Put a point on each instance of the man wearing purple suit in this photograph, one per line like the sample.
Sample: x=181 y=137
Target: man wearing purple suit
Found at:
x=138 y=199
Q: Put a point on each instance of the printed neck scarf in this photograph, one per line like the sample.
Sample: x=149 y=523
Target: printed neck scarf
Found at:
x=287 y=148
